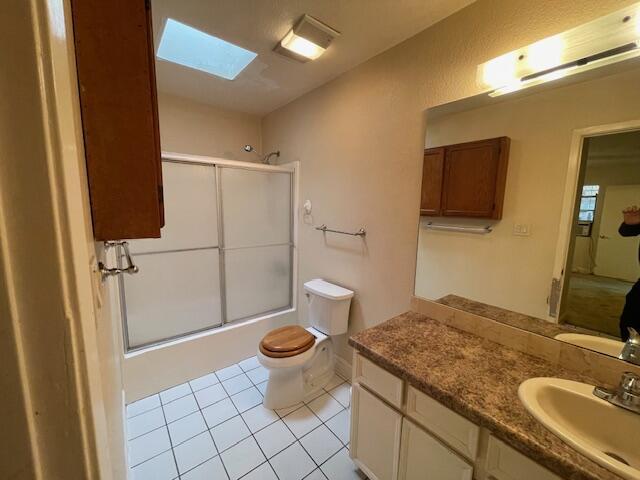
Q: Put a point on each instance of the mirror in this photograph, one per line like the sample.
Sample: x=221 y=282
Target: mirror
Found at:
x=553 y=259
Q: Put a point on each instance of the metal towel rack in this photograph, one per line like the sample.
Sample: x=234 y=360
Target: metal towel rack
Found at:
x=459 y=228
x=131 y=268
x=360 y=233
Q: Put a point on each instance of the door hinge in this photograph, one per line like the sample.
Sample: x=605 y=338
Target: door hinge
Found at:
x=554 y=297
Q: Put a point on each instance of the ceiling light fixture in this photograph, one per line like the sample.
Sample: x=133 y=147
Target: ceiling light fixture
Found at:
x=606 y=40
x=307 y=40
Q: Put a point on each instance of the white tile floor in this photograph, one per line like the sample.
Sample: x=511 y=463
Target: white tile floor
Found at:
x=216 y=428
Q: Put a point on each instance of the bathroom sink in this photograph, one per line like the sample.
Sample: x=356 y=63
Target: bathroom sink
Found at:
x=598 y=344
x=608 y=435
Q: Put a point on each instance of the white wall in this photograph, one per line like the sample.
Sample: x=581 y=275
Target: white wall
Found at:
x=603 y=175
x=360 y=137
x=501 y=268
x=190 y=127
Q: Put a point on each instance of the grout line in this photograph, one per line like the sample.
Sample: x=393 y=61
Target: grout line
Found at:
x=253 y=437
x=145 y=411
x=316 y=469
x=297 y=440
x=339 y=441
x=145 y=433
x=131 y=467
x=330 y=418
x=257 y=467
x=170 y=443
x=208 y=430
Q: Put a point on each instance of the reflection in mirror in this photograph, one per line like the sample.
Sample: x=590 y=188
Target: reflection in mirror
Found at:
x=603 y=266
x=548 y=243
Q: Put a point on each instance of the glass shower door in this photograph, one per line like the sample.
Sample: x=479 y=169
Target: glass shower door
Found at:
x=226 y=252
x=177 y=290
x=257 y=241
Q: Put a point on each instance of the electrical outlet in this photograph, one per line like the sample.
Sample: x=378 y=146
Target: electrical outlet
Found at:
x=521 y=229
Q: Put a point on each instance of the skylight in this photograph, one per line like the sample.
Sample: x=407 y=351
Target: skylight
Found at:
x=192 y=48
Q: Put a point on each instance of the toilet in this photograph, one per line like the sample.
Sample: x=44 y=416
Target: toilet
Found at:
x=301 y=361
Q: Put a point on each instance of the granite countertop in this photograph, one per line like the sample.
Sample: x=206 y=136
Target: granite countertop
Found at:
x=479 y=380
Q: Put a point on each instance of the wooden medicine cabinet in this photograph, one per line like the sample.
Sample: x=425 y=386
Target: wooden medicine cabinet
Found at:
x=465 y=179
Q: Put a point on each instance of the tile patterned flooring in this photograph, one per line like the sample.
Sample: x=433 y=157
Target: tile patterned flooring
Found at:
x=216 y=428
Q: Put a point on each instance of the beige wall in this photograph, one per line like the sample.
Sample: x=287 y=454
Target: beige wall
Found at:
x=41 y=428
x=359 y=139
x=501 y=268
x=191 y=127
x=60 y=365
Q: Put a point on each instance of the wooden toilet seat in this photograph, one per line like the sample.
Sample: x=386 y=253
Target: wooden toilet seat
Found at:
x=286 y=341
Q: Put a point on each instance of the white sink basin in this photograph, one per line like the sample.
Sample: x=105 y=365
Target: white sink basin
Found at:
x=597 y=344
x=608 y=435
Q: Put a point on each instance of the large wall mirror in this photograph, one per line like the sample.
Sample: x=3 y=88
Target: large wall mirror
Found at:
x=555 y=253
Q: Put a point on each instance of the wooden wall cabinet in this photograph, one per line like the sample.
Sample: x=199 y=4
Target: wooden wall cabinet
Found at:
x=116 y=78
x=466 y=179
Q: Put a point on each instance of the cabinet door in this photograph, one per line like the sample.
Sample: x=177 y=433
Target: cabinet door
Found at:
x=422 y=457
x=375 y=435
x=474 y=178
x=116 y=78
x=505 y=463
x=432 y=171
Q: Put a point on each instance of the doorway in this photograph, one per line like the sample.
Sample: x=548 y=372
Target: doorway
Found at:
x=602 y=265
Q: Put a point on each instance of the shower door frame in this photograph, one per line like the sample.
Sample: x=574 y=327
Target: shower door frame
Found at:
x=218 y=164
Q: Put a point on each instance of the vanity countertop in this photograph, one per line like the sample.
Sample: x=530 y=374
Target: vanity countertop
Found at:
x=479 y=380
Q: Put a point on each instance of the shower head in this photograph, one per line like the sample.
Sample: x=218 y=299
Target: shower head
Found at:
x=264 y=158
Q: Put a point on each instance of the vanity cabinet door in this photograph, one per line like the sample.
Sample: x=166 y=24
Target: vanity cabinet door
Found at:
x=474 y=178
x=375 y=435
x=422 y=457
x=432 y=171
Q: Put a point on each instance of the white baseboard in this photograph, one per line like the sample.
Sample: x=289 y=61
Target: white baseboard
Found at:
x=343 y=368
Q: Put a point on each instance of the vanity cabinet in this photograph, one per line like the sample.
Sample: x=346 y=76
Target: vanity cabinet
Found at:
x=115 y=62
x=400 y=433
x=465 y=179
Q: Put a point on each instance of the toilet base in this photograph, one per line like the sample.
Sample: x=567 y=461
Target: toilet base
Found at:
x=289 y=386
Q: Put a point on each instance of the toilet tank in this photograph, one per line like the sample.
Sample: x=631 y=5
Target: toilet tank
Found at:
x=328 y=306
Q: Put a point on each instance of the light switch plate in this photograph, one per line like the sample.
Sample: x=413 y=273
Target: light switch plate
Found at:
x=522 y=229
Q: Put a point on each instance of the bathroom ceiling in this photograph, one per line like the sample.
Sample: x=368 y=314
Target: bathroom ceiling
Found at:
x=367 y=28
x=616 y=149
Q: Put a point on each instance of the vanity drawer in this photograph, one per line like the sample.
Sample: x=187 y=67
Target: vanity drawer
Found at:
x=458 y=432
x=383 y=383
x=505 y=463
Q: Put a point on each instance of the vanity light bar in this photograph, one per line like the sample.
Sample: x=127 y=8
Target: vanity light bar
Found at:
x=608 y=39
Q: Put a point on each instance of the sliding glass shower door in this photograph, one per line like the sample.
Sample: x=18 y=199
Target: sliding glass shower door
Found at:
x=225 y=254
x=256 y=213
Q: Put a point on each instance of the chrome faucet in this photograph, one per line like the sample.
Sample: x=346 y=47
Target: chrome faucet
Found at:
x=631 y=350
x=627 y=395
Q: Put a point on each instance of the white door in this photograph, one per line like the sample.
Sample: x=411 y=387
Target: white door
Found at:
x=422 y=457
x=617 y=256
x=375 y=435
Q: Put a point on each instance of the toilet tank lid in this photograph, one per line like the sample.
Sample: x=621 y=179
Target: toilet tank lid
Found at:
x=327 y=290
